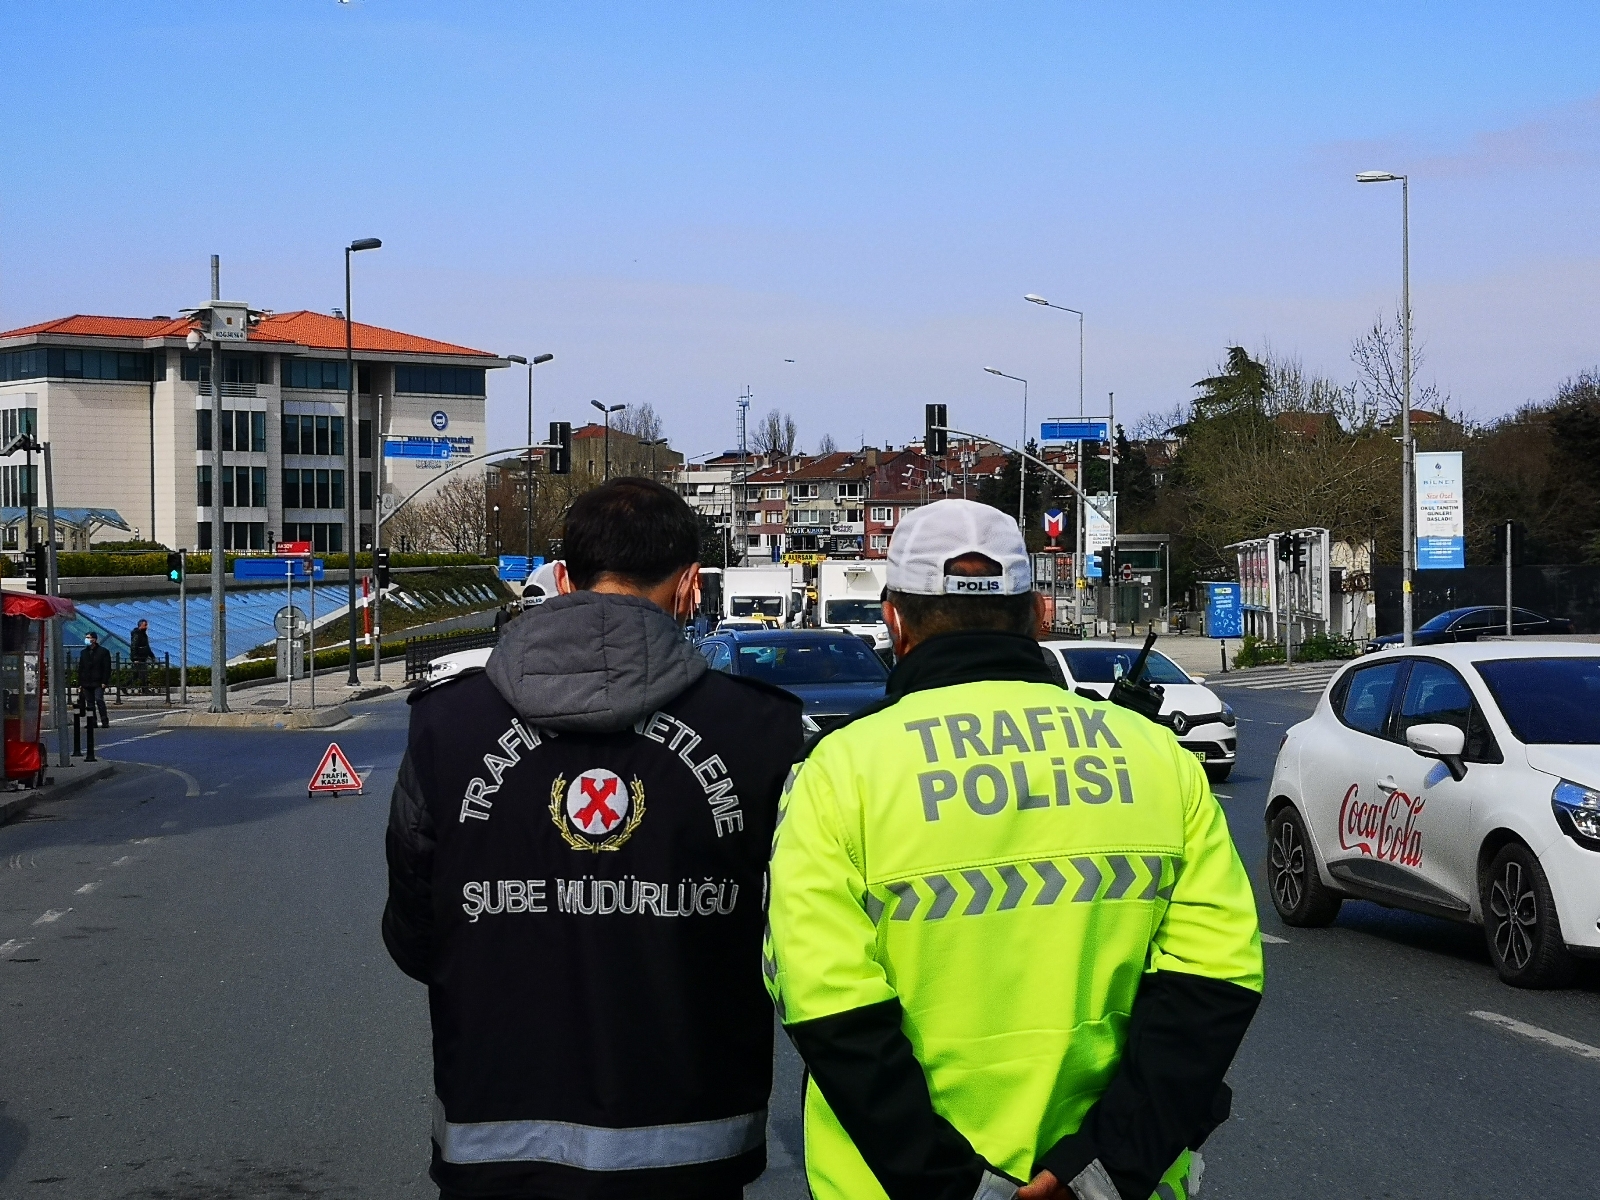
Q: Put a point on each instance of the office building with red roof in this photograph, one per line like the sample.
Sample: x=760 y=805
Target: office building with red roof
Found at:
x=126 y=406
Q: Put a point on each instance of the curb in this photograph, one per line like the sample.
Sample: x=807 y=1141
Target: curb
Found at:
x=21 y=802
x=298 y=719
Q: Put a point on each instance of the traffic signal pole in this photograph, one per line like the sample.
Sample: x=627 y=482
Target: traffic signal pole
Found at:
x=58 y=672
x=183 y=626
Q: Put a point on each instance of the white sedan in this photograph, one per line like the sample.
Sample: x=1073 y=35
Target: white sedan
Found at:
x=1461 y=781
x=1205 y=725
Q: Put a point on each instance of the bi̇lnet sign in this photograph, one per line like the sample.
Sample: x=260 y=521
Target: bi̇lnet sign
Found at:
x=1441 y=513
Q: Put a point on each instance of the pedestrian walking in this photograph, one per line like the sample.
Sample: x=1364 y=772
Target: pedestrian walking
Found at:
x=94 y=673
x=1010 y=934
x=140 y=654
x=577 y=846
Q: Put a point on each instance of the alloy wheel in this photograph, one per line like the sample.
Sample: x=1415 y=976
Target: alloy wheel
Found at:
x=1288 y=860
x=1516 y=912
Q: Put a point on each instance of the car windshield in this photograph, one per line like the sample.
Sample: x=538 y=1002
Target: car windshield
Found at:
x=755 y=606
x=1547 y=701
x=853 y=612
x=1108 y=666
x=1439 y=623
x=835 y=660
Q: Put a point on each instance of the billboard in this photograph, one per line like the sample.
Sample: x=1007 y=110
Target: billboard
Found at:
x=1441 y=512
x=1224 y=610
x=1099 y=515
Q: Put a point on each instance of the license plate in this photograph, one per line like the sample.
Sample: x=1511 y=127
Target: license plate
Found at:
x=1200 y=754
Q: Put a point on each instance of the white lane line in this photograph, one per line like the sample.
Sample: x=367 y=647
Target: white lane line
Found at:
x=87 y=888
x=1581 y=1049
x=144 y=841
x=1221 y=795
x=191 y=786
x=136 y=738
x=123 y=861
x=52 y=916
x=7 y=949
x=1274 y=941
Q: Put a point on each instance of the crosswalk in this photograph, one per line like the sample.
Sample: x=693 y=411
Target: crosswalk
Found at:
x=1311 y=679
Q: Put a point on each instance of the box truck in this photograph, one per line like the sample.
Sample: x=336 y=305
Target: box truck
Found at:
x=849 y=598
x=763 y=594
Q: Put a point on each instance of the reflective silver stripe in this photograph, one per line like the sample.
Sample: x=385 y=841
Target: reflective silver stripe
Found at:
x=994 y=1187
x=595 y=1147
x=1092 y=1183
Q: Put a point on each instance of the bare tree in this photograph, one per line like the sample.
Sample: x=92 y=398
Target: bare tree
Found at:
x=452 y=520
x=1159 y=425
x=639 y=420
x=826 y=444
x=775 y=433
x=1380 y=375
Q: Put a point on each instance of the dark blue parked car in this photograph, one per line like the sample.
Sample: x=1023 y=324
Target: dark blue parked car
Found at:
x=835 y=675
x=1469 y=624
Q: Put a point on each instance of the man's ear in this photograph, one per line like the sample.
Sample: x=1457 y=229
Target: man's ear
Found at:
x=1044 y=610
x=563 y=580
x=686 y=596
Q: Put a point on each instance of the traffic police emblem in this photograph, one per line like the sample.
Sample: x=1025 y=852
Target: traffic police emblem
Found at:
x=597 y=811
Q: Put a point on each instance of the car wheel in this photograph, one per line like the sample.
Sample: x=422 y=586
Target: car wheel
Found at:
x=1219 y=773
x=1520 y=922
x=1298 y=892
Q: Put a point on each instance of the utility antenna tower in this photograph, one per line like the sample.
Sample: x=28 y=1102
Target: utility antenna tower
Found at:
x=741 y=530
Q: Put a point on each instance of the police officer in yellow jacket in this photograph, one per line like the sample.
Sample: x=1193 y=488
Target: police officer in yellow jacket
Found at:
x=1009 y=932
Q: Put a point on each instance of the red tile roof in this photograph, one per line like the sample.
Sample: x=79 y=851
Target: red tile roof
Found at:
x=314 y=330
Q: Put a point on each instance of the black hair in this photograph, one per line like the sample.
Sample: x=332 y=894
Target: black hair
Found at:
x=634 y=529
x=925 y=616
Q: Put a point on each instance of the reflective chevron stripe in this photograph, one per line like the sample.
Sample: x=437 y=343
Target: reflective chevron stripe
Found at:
x=1145 y=877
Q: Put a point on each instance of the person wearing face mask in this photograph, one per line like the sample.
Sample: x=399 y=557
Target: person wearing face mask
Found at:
x=577 y=848
x=94 y=673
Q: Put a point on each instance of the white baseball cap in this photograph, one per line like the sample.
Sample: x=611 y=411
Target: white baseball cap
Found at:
x=929 y=537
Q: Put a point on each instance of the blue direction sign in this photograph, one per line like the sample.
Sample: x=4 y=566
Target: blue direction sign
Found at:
x=416 y=447
x=1074 y=431
x=1224 y=610
x=514 y=567
x=276 y=569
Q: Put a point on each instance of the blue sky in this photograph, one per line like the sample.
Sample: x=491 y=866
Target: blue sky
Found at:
x=674 y=199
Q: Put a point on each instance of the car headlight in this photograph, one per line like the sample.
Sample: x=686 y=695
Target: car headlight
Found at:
x=1580 y=806
x=1228 y=717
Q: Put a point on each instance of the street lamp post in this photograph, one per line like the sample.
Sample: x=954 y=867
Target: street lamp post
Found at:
x=497 y=530
x=527 y=482
x=351 y=425
x=1077 y=539
x=607 y=414
x=1022 y=461
x=1408 y=549
x=653 y=443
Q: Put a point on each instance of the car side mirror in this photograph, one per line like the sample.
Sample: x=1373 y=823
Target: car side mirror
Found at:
x=1444 y=742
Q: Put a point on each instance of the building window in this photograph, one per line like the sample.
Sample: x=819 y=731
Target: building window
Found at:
x=803 y=491
x=291 y=493
x=884 y=515
x=227 y=485
x=439 y=381
x=14 y=422
x=852 y=514
x=364 y=439
x=336 y=436
x=849 y=491
x=315 y=374
x=754 y=540
x=322 y=489
x=258 y=433
x=366 y=489
x=322 y=436
x=202 y=429
x=205 y=535
x=806 y=516
x=258 y=487
x=236 y=368
x=880 y=541
x=773 y=493
x=202 y=489
x=322 y=537
x=23 y=364
x=20 y=485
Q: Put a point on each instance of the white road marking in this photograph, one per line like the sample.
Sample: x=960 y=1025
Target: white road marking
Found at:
x=123 y=861
x=1274 y=941
x=7 y=949
x=138 y=737
x=87 y=888
x=1221 y=795
x=144 y=841
x=1581 y=1049
x=52 y=916
x=191 y=784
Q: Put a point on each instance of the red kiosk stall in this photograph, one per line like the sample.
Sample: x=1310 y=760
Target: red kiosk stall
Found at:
x=24 y=675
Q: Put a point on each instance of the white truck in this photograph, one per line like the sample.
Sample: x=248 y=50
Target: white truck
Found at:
x=760 y=593
x=850 y=598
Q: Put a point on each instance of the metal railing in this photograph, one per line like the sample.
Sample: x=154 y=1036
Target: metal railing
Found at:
x=152 y=676
x=420 y=651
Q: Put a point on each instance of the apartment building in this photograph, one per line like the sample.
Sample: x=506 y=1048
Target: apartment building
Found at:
x=126 y=407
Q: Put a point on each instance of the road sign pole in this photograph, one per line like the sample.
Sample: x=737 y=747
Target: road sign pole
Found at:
x=311 y=583
x=288 y=637
x=183 y=627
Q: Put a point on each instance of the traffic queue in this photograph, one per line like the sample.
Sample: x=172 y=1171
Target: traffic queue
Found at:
x=1000 y=916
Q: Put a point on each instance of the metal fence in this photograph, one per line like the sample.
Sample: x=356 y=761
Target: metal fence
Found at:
x=1568 y=590
x=420 y=651
x=152 y=677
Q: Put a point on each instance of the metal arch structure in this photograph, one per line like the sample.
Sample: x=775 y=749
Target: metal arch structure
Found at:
x=463 y=463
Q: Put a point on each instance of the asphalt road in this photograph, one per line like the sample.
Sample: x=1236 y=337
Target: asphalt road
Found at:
x=196 y=1004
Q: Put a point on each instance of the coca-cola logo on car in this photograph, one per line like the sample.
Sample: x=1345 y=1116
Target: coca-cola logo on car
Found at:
x=1385 y=829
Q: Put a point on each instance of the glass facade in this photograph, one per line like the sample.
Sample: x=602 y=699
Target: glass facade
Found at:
x=236 y=368
x=315 y=374
x=313 y=489
x=439 y=381
x=60 y=362
x=304 y=433
x=324 y=538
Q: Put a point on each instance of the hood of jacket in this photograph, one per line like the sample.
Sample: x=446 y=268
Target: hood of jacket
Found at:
x=592 y=662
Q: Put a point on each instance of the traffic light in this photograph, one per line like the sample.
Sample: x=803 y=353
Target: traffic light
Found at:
x=380 y=566
x=560 y=448
x=1108 y=564
x=1519 y=542
x=39 y=570
x=175 y=565
x=1297 y=556
x=1285 y=549
x=935 y=438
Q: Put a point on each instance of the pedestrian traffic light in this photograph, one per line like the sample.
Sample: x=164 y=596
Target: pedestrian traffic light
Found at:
x=175 y=565
x=560 y=448
x=1297 y=556
x=935 y=437
x=39 y=571
x=380 y=566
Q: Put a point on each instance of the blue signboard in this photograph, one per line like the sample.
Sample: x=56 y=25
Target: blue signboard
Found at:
x=1224 y=610
x=1441 y=521
x=514 y=567
x=1074 y=431
x=276 y=569
x=418 y=447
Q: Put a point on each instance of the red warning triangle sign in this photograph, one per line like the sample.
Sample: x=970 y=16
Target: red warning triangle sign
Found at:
x=335 y=773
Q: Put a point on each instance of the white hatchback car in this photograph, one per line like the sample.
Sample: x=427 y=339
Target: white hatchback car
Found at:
x=1205 y=725
x=1461 y=781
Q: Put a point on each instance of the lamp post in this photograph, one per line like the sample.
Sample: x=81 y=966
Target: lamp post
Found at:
x=527 y=482
x=607 y=413
x=351 y=425
x=1022 y=459
x=497 y=530
x=653 y=443
x=1077 y=540
x=1408 y=549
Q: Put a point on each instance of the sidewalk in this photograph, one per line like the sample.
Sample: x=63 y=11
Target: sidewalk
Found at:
x=268 y=704
x=63 y=781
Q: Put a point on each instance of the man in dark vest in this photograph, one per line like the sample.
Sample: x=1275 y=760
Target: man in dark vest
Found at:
x=94 y=673
x=577 y=852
